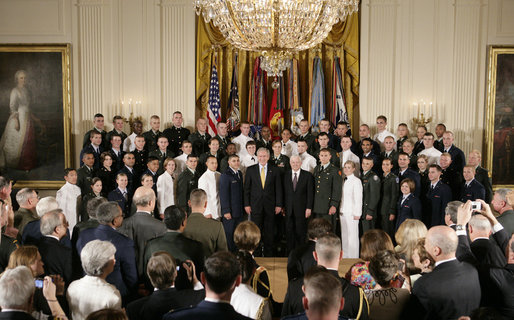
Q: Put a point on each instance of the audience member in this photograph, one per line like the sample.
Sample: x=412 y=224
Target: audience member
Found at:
x=107 y=314
x=502 y=203
x=31 y=232
x=421 y=260
x=92 y=292
x=207 y=231
x=407 y=236
x=221 y=276
x=450 y=214
x=7 y=243
x=27 y=200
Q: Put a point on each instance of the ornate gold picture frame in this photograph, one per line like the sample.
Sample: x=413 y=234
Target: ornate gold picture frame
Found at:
x=35 y=114
x=499 y=142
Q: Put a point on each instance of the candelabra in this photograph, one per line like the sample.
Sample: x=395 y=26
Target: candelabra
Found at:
x=130 y=109
x=420 y=120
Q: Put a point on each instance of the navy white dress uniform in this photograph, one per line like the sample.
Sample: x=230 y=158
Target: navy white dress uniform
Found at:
x=308 y=162
x=472 y=190
x=165 y=191
x=210 y=183
x=247 y=161
x=348 y=155
x=289 y=148
x=180 y=164
x=351 y=206
x=432 y=154
x=240 y=142
x=409 y=207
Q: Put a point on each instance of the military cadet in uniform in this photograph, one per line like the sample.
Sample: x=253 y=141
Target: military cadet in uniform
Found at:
x=176 y=134
x=306 y=136
x=98 y=122
x=278 y=159
x=323 y=141
x=371 y=195
x=403 y=135
x=131 y=173
x=187 y=181
x=161 y=153
x=451 y=177
x=389 y=152
x=472 y=189
x=152 y=134
x=85 y=173
x=264 y=140
x=140 y=154
x=390 y=192
x=222 y=136
x=438 y=196
x=200 y=138
x=118 y=123
x=229 y=150
x=214 y=151
x=328 y=188
x=367 y=152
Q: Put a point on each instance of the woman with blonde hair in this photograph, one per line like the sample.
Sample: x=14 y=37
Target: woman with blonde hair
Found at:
x=166 y=186
x=407 y=236
x=421 y=259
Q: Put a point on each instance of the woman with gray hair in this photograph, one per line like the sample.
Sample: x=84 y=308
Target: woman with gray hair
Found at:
x=92 y=292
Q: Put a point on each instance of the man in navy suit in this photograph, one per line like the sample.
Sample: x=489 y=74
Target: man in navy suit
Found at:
x=458 y=157
x=110 y=217
x=298 y=201
x=120 y=195
x=221 y=277
x=405 y=172
x=231 y=199
x=439 y=194
x=472 y=189
x=263 y=197
x=94 y=147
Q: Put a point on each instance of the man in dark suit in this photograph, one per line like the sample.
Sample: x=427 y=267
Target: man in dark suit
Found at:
x=117 y=122
x=450 y=213
x=17 y=294
x=152 y=134
x=142 y=227
x=187 y=181
x=502 y=204
x=176 y=134
x=439 y=194
x=121 y=194
x=221 y=276
x=110 y=217
x=86 y=173
x=328 y=186
x=162 y=271
x=98 y=123
x=200 y=138
x=56 y=256
x=116 y=151
x=328 y=254
x=174 y=242
x=472 y=189
x=405 y=172
x=298 y=202
x=208 y=232
x=301 y=259
x=452 y=289
x=93 y=147
x=483 y=252
x=263 y=197
x=451 y=177
x=231 y=199
x=481 y=174
x=458 y=157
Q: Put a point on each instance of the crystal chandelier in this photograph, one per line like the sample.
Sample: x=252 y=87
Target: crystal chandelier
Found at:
x=276 y=28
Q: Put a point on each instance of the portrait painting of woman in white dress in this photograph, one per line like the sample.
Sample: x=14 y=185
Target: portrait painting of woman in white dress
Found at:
x=18 y=142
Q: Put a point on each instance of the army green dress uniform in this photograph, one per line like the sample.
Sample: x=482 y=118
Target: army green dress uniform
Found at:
x=371 y=196
x=175 y=137
x=390 y=192
x=328 y=189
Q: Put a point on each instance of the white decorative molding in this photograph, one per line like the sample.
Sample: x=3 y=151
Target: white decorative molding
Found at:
x=505 y=22
x=32 y=18
x=90 y=51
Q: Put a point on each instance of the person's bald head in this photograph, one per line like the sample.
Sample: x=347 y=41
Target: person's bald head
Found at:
x=441 y=243
x=144 y=198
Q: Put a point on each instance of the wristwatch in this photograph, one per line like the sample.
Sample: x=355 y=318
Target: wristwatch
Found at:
x=459 y=227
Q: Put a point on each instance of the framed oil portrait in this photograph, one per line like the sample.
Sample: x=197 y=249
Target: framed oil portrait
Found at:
x=35 y=114
x=499 y=143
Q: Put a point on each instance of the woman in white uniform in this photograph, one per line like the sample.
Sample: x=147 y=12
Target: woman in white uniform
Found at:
x=350 y=212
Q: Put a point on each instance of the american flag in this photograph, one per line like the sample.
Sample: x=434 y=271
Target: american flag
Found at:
x=213 y=108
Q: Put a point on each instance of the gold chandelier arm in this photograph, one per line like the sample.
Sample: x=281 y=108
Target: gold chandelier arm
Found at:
x=276 y=22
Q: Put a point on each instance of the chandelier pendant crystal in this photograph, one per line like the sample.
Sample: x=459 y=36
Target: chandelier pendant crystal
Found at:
x=275 y=28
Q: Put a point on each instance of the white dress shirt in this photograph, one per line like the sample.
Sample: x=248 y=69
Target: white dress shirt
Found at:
x=180 y=164
x=248 y=303
x=129 y=143
x=247 y=161
x=90 y=294
x=289 y=148
x=308 y=162
x=210 y=183
x=67 y=197
x=240 y=142
x=348 y=155
x=165 y=191
x=382 y=135
x=432 y=154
